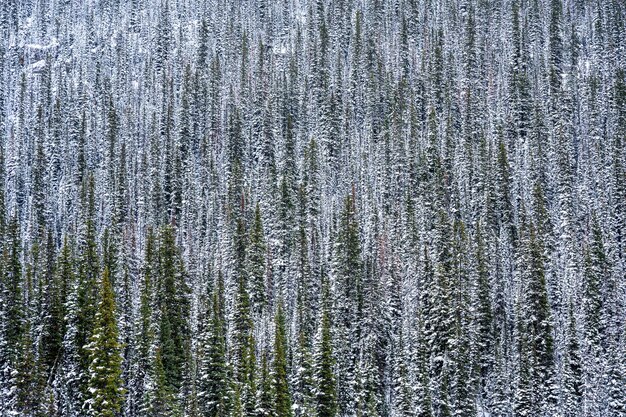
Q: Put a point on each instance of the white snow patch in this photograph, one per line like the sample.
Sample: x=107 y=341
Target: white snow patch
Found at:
x=37 y=66
x=39 y=47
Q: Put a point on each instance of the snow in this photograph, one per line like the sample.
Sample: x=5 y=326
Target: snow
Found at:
x=37 y=66
x=42 y=47
x=374 y=127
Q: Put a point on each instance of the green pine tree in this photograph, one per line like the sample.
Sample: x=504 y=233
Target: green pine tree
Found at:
x=536 y=382
x=174 y=308
x=572 y=373
x=145 y=383
x=158 y=400
x=55 y=325
x=324 y=363
x=595 y=270
x=280 y=389
x=348 y=268
x=29 y=378
x=88 y=273
x=105 y=394
x=13 y=293
x=484 y=313
x=214 y=372
x=255 y=263
x=462 y=382
x=264 y=401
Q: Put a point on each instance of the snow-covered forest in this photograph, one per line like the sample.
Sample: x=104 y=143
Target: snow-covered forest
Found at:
x=325 y=208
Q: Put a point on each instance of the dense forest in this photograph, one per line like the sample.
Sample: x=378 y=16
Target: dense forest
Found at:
x=325 y=208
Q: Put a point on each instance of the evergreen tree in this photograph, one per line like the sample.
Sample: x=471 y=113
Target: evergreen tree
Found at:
x=255 y=259
x=144 y=371
x=264 y=400
x=324 y=363
x=349 y=276
x=158 y=398
x=28 y=378
x=105 y=394
x=595 y=270
x=573 y=380
x=243 y=359
x=404 y=396
x=484 y=313
x=174 y=310
x=55 y=325
x=14 y=325
x=280 y=389
x=88 y=272
x=537 y=373
x=214 y=370
x=463 y=383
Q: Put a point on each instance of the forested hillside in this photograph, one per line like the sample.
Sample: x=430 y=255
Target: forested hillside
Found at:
x=325 y=208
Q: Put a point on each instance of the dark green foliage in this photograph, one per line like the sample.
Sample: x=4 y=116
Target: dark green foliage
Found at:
x=88 y=273
x=347 y=259
x=378 y=208
x=325 y=381
x=280 y=388
x=12 y=284
x=595 y=270
x=243 y=331
x=58 y=291
x=29 y=378
x=105 y=394
x=265 y=401
x=484 y=313
x=255 y=263
x=536 y=342
x=173 y=303
x=158 y=400
x=573 y=381
x=214 y=384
